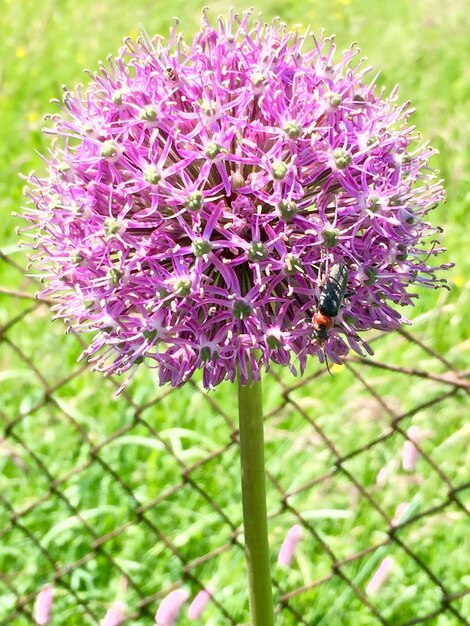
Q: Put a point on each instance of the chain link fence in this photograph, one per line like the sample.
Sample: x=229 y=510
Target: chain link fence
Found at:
x=133 y=497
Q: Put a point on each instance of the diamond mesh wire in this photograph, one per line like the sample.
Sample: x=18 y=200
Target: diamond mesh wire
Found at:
x=77 y=513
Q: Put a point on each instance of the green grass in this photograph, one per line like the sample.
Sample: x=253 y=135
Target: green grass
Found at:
x=115 y=465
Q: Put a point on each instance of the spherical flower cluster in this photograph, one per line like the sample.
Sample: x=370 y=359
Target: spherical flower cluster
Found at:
x=199 y=195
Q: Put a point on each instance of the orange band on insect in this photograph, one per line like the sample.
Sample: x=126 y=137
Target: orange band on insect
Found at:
x=322 y=321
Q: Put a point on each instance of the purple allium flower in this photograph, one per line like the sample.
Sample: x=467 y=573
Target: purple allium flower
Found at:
x=198 y=195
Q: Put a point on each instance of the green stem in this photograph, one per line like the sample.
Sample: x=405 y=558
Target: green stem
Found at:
x=254 y=503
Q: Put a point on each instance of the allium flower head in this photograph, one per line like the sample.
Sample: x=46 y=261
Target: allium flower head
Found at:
x=199 y=194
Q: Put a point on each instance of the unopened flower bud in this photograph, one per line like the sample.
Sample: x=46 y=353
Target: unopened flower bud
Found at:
x=292 y=129
x=148 y=113
x=118 y=96
x=205 y=353
x=76 y=257
x=109 y=149
x=241 y=309
x=182 y=287
x=114 y=275
x=112 y=226
x=334 y=99
x=151 y=175
x=258 y=79
x=342 y=158
x=194 y=201
x=287 y=210
x=257 y=251
x=273 y=339
x=330 y=237
x=201 y=247
x=279 y=170
x=292 y=264
x=213 y=149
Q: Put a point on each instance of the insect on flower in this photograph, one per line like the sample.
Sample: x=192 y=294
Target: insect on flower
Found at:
x=330 y=301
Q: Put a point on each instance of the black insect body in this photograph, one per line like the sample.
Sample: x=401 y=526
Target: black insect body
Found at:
x=330 y=301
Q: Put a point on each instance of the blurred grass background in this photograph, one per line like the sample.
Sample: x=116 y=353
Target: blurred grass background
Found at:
x=424 y=45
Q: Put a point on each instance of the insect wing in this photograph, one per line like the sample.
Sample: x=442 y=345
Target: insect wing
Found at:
x=333 y=292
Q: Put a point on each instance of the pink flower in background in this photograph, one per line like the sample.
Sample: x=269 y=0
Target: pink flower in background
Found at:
x=43 y=607
x=115 y=615
x=286 y=553
x=380 y=576
x=382 y=476
x=197 y=196
x=199 y=603
x=400 y=513
x=385 y=472
x=170 y=607
x=410 y=452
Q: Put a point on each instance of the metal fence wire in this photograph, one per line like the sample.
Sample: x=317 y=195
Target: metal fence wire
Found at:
x=98 y=494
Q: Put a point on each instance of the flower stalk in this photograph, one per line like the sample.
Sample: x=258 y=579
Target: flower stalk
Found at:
x=254 y=501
